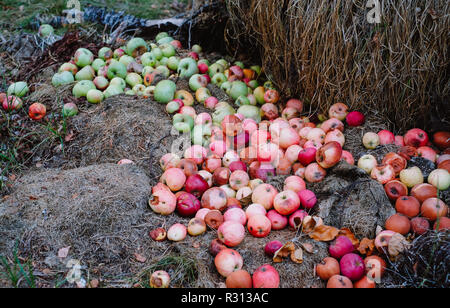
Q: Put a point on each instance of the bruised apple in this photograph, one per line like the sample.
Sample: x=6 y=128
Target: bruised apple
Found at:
x=264 y=194
x=259 y=225
x=214 y=198
x=231 y=233
x=329 y=155
x=328 y=268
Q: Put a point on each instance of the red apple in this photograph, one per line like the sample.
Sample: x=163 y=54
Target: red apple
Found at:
x=196 y=185
x=416 y=138
x=259 y=225
x=278 y=221
x=187 y=204
x=329 y=154
x=264 y=194
x=355 y=118
x=296 y=219
x=286 y=202
x=307 y=156
x=307 y=198
x=395 y=189
x=221 y=176
x=266 y=276
x=386 y=137
x=272 y=247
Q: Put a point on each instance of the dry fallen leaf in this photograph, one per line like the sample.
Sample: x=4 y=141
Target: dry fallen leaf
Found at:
x=397 y=244
x=324 y=233
x=366 y=247
x=346 y=232
x=140 y=258
x=297 y=256
x=283 y=252
x=311 y=222
x=63 y=252
x=309 y=248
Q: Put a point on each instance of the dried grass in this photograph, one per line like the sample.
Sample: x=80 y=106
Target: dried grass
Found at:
x=326 y=51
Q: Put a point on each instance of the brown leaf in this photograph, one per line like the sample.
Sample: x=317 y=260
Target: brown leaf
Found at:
x=309 y=248
x=63 y=252
x=397 y=245
x=324 y=233
x=346 y=232
x=366 y=247
x=140 y=258
x=311 y=222
x=283 y=252
x=297 y=256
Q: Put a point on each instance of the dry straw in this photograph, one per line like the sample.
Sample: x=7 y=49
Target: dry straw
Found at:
x=326 y=51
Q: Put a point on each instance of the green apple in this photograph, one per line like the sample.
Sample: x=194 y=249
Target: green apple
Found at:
x=164 y=61
x=133 y=79
x=250 y=112
x=97 y=64
x=202 y=94
x=173 y=63
x=269 y=85
x=45 y=30
x=257 y=69
x=118 y=82
x=173 y=106
x=197 y=81
x=163 y=70
x=147 y=70
x=161 y=35
x=259 y=93
x=94 y=96
x=62 y=78
x=126 y=60
x=86 y=73
x=148 y=59
x=215 y=68
x=158 y=53
x=165 y=91
x=105 y=53
x=187 y=67
x=112 y=90
x=197 y=48
x=168 y=50
x=242 y=100
x=253 y=84
x=117 y=69
x=221 y=110
x=164 y=40
x=83 y=57
x=225 y=64
x=218 y=79
x=136 y=47
x=18 y=89
x=82 y=87
x=139 y=89
x=130 y=92
x=240 y=64
x=201 y=135
x=238 y=88
x=69 y=110
x=226 y=86
x=183 y=122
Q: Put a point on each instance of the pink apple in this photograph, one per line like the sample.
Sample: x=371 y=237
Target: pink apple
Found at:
x=176 y=233
x=231 y=233
x=196 y=153
x=332 y=124
x=264 y=194
x=249 y=126
x=288 y=137
x=335 y=135
x=348 y=157
x=202 y=213
x=218 y=147
x=292 y=152
x=307 y=198
x=163 y=200
x=238 y=165
x=315 y=173
x=214 y=198
x=174 y=178
x=296 y=218
x=255 y=209
x=329 y=154
x=399 y=140
x=259 y=225
x=211 y=102
x=239 y=179
x=229 y=157
x=338 y=111
x=228 y=261
x=341 y=246
x=286 y=202
x=278 y=221
x=294 y=183
x=169 y=160
x=386 y=137
x=427 y=152
x=267 y=277
x=203 y=118
x=235 y=214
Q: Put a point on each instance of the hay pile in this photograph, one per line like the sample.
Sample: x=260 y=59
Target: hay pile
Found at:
x=326 y=51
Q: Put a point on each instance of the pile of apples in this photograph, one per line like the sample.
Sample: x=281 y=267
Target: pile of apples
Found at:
x=417 y=203
x=347 y=269
x=12 y=101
